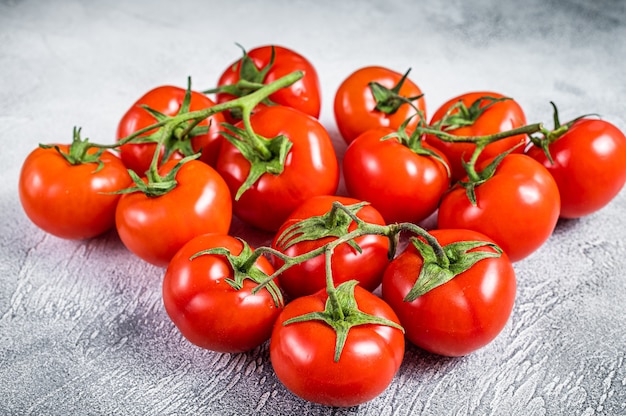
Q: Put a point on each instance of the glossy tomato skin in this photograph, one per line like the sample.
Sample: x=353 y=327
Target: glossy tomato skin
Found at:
x=460 y=316
x=167 y=100
x=303 y=95
x=502 y=116
x=302 y=354
x=71 y=201
x=206 y=309
x=311 y=168
x=518 y=207
x=347 y=263
x=402 y=185
x=155 y=228
x=354 y=103
x=589 y=166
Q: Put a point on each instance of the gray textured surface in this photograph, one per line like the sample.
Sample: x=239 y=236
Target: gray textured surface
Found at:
x=82 y=327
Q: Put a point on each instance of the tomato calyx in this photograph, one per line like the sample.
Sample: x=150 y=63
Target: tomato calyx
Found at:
x=265 y=155
x=155 y=185
x=251 y=78
x=414 y=142
x=342 y=313
x=460 y=259
x=178 y=139
x=335 y=223
x=243 y=266
x=547 y=137
x=389 y=100
x=77 y=153
x=459 y=115
x=477 y=178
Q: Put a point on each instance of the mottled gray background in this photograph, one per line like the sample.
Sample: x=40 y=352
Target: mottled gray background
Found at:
x=82 y=326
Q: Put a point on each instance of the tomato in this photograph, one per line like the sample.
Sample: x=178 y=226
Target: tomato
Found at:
x=155 y=227
x=207 y=310
x=401 y=184
x=518 y=207
x=311 y=168
x=302 y=353
x=355 y=104
x=463 y=314
x=497 y=117
x=303 y=95
x=167 y=100
x=589 y=165
x=72 y=201
x=347 y=263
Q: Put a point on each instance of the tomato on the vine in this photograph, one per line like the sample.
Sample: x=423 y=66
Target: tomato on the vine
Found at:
x=477 y=114
x=168 y=100
x=589 y=165
x=404 y=184
x=461 y=315
x=365 y=263
x=72 y=201
x=208 y=310
x=376 y=96
x=518 y=207
x=309 y=168
x=303 y=354
x=155 y=227
x=263 y=65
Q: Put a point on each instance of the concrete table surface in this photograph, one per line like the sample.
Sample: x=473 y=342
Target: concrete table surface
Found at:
x=82 y=327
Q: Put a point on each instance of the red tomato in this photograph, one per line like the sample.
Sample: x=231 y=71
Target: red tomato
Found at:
x=402 y=185
x=71 y=201
x=355 y=106
x=347 y=263
x=501 y=116
x=589 y=166
x=167 y=100
x=302 y=354
x=478 y=301
x=207 y=310
x=303 y=95
x=311 y=168
x=155 y=228
x=518 y=207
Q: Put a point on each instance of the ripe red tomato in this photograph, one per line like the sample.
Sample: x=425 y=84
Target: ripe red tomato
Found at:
x=501 y=116
x=155 y=227
x=206 y=309
x=303 y=95
x=589 y=166
x=71 y=201
x=355 y=105
x=347 y=263
x=302 y=353
x=478 y=301
x=402 y=185
x=518 y=207
x=311 y=168
x=167 y=100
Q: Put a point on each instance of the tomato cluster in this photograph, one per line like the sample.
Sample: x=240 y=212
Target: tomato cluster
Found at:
x=184 y=164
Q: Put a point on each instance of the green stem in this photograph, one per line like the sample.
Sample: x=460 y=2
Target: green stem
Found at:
x=447 y=137
x=364 y=228
x=470 y=166
x=336 y=310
